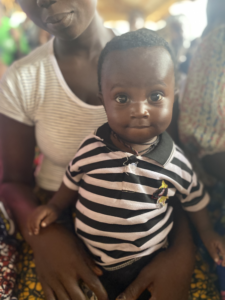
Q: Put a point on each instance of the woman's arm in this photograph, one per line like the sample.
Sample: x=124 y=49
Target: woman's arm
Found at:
x=17 y=144
x=60 y=261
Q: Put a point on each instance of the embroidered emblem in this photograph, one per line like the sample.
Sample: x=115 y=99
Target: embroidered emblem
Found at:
x=161 y=195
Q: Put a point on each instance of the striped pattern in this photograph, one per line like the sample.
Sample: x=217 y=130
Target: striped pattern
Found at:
x=118 y=217
x=34 y=92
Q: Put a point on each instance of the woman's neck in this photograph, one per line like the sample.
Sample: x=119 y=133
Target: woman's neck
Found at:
x=90 y=42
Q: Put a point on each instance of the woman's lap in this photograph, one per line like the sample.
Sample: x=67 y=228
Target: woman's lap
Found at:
x=17 y=262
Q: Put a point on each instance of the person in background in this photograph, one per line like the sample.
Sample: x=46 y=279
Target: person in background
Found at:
x=215 y=15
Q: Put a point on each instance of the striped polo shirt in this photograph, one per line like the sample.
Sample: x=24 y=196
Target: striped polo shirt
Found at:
x=122 y=212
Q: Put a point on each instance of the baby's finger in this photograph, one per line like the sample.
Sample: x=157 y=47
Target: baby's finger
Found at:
x=48 y=219
x=37 y=219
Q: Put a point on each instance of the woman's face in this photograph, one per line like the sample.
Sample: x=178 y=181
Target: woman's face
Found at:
x=65 y=19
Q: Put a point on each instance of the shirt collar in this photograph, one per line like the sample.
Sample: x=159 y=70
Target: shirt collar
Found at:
x=161 y=154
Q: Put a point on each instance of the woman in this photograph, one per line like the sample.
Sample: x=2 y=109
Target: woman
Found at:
x=50 y=97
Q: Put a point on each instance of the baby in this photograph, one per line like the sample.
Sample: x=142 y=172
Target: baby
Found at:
x=123 y=175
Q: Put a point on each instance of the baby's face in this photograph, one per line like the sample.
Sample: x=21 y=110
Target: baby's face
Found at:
x=138 y=92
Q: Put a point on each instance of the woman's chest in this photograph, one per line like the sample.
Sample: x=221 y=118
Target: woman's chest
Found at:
x=62 y=124
x=81 y=77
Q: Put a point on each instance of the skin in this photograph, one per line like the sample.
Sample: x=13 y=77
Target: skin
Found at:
x=156 y=66
x=77 y=45
x=48 y=13
x=138 y=95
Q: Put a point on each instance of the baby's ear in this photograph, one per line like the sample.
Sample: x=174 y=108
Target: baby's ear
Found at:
x=100 y=97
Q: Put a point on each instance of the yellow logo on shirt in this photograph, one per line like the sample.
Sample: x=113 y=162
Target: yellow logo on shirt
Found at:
x=161 y=195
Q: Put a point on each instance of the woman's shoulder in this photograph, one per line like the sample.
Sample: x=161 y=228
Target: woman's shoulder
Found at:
x=40 y=57
x=30 y=70
x=24 y=83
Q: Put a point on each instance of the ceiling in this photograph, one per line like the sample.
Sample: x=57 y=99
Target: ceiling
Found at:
x=110 y=10
x=153 y=10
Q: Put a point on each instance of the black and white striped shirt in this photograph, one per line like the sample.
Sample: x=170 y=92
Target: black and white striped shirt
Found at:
x=122 y=212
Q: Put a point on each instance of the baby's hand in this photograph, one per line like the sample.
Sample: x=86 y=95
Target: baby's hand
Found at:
x=42 y=216
x=215 y=244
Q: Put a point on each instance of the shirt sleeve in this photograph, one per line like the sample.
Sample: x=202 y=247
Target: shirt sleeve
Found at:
x=196 y=198
x=74 y=172
x=73 y=175
x=13 y=100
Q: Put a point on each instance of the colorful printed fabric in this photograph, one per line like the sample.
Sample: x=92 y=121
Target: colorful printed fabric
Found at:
x=8 y=256
x=202 y=109
x=19 y=280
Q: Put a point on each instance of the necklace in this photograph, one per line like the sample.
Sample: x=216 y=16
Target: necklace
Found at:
x=151 y=145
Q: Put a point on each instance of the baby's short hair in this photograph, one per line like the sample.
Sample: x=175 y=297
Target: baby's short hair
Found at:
x=134 y=39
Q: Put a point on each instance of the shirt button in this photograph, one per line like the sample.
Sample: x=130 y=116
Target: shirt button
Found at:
x=159 y=205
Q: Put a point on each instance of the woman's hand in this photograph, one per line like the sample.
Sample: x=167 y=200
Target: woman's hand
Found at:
x=61 y=263
x=167 y=277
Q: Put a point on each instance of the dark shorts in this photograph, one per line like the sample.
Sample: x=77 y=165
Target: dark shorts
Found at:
x=115 y=282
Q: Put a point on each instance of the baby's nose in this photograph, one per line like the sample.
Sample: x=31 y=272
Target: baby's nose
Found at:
x=139 y=109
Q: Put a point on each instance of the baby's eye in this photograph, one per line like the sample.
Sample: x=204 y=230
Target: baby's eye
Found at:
x=156 y=97
x=121 y=99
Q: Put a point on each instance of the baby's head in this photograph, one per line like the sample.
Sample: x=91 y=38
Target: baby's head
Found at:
x=136 y=85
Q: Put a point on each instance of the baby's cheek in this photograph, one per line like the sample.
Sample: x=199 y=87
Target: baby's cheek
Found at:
x=163 y=117
x=116 y=114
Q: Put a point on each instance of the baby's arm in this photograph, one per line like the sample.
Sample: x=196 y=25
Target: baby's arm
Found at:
x=44 y=215
x=214 y=243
